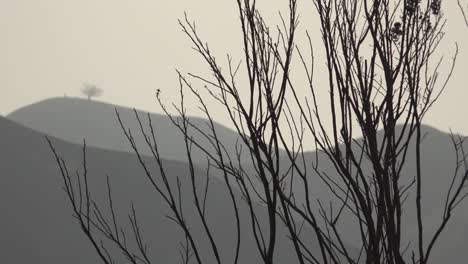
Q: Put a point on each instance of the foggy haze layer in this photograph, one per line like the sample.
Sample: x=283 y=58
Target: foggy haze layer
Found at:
x=129 y=49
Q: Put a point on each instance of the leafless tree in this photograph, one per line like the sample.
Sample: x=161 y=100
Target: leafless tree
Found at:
x=91 y=90
x=382 y=77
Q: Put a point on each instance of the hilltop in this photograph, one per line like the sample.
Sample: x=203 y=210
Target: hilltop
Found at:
x=75 y=119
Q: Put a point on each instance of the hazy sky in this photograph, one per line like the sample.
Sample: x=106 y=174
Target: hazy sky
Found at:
x=130 y=48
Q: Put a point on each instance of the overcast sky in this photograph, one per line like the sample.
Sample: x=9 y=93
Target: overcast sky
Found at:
x=130 y=48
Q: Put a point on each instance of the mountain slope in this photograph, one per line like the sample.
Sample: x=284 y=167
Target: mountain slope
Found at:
x=438 y=162
x=37 y=226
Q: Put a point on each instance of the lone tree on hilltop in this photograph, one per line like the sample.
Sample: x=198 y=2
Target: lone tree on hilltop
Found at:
x=91 y=90
x=382 y=78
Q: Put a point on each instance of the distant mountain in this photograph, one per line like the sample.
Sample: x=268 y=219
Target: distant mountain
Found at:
x=73 y=119
x=36 y=224
x=438 y=164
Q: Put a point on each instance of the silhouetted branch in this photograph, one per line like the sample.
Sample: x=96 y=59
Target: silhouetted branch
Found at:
x=382 y=79
x=463 y=11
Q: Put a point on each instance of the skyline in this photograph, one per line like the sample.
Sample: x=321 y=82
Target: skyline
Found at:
x=131 y=49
